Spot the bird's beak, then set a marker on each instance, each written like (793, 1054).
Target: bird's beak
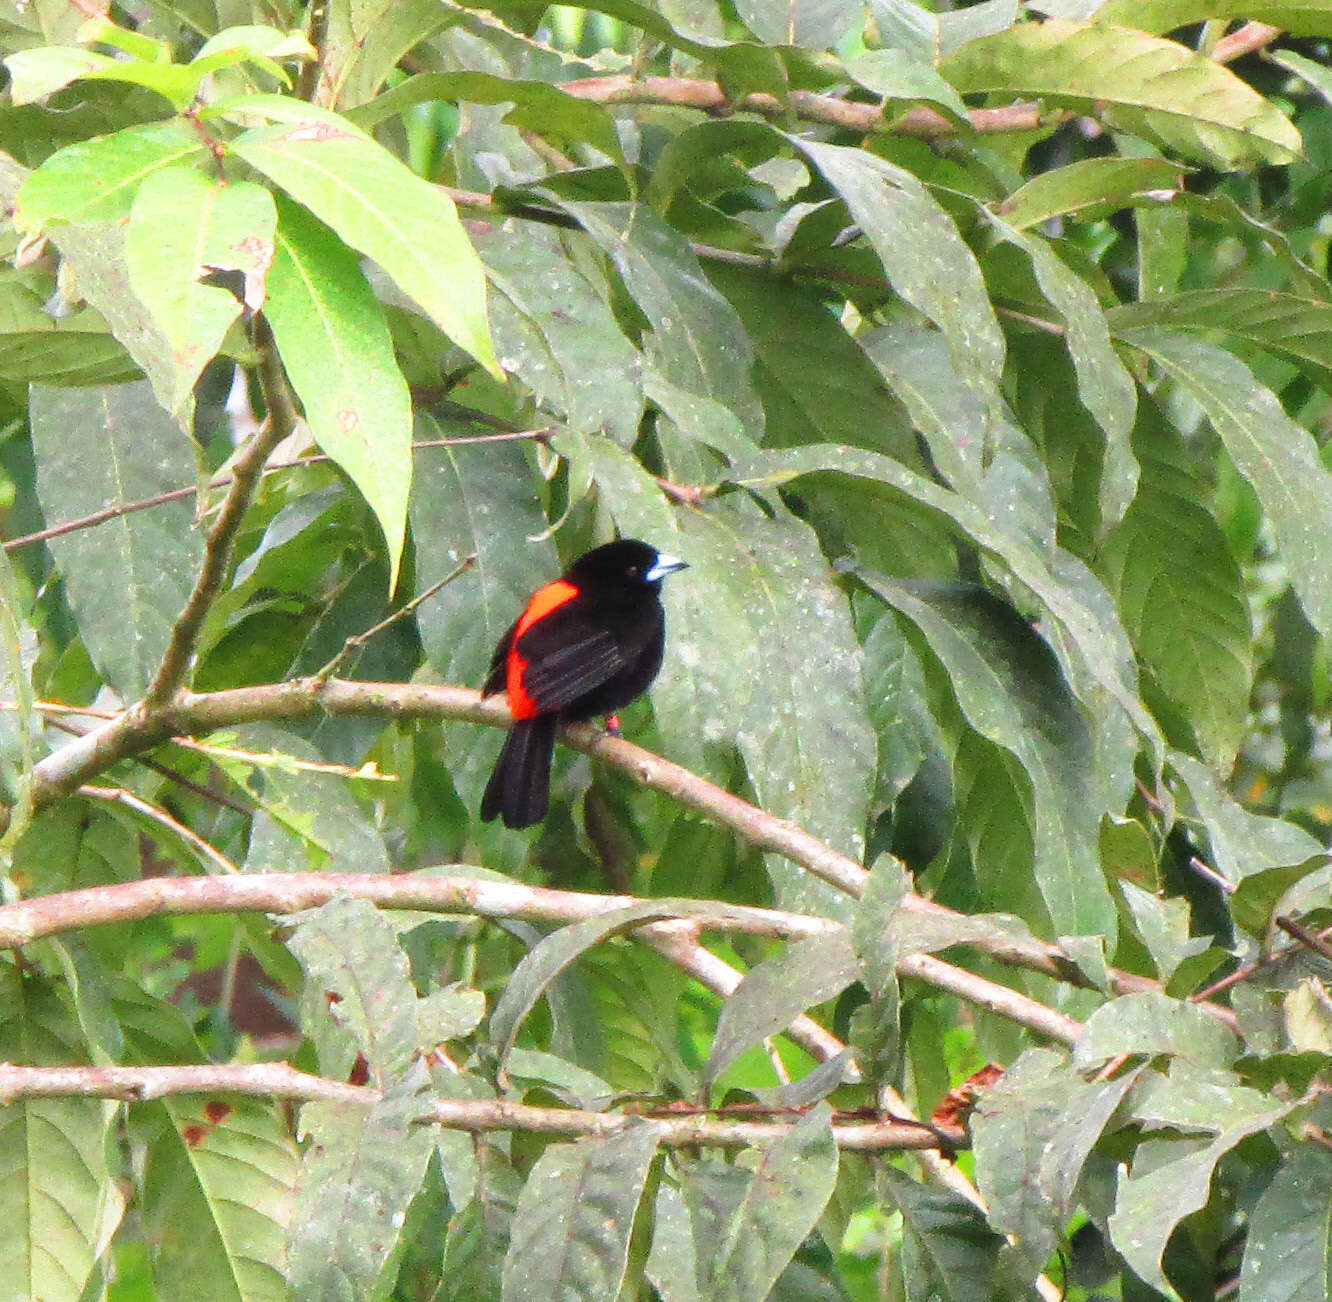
(665, 565)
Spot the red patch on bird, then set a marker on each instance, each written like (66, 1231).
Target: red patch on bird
(544, 600)
(194, 1135)
(216, 1111)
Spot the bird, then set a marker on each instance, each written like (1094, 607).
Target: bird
(585, 645)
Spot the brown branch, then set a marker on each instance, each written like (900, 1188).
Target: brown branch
(1305, 937)
(479, 1116)
(245, 474)
(119, 796)
(1247, 39)
(34, 919)
(828, 110)
(1246, 970)
(195, 714)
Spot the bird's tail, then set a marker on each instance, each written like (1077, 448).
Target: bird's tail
(519, 788)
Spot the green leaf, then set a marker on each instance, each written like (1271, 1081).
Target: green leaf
(1298, 17)
(810, 24)
(358, 994)
(218, 1179)
(1180, 594)
(922, 253)
(1089, 642)
(575, 1216)
(476, 501)
(359, 1174)
(1009, 687)
(1277, 456)
(331, 333)
(1153, 1024)
(378, 207)
(1150, 87)
(1163, 926)
(1106, 388)
(181, 226)
(1150, 1203)
(747, 1224)
(1089, 188)
(38, 73)
(60, 1202)
(556, 334)
(949, 1251)
(696, 341)
(894, 74)
(815, 381)
(537, 106)
(127, 579)
(96, 180)
(1294, 327)
(774, 992)
(1288, 1251)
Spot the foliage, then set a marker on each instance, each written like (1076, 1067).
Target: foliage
(978, 363)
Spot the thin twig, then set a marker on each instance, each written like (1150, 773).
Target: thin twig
(1247, 39)
(1245, 971)
(479, 1116)
(1304, 936)
(1210, 874)
(119, 796)
(360, 639)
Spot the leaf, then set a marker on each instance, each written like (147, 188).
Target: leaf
(922, 253)
(776, 991)
(1277, 456)
(305, 820)
(40, 72)
(1088, 641)
(96, 180)
(1106, 388)
(811, 24)
(334, 342)
(896, 74)
(1163, 926)
(553, 330)
(60, 1202)
(1153, 1024)
(1009, 687)
(748, 1224)
(218, 1179)
(1149, 1205)
(696, 341)
(815, 381)
(536, 106)
(182, 225)
(1298, 17)
(551, 955)
(947, 1241)
(359, 1173)
(1293, 326)
(358, 996)
(378, 207)
(1288, 1250)
(476, 501)
(931, 36)
(128, 579)
(1089, 188)
(1180, 594)
(575, 1216)
(95, 258)
(1138, 83)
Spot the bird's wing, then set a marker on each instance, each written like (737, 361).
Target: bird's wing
(566, 654)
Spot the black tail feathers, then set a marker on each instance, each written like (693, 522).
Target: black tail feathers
(519, 788)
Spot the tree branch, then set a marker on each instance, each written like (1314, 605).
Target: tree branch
(245, 473)
(280, 1080)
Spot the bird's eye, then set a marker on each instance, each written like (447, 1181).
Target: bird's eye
(633, 569)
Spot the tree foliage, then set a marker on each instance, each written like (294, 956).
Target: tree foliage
(978, 361)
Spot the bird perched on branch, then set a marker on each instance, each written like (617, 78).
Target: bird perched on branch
(585, 645)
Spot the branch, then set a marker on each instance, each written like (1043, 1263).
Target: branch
(279, 1080)
(867, 119)
(193, 714)
(245, 473)
(1250, 37)
(285, 893)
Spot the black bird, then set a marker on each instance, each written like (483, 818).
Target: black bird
(585, 645)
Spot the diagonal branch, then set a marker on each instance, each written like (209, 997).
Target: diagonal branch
(246, 471)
